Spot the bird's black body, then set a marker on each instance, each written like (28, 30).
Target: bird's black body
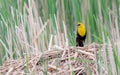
(80, 40)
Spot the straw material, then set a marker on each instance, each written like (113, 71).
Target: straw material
(58, 60)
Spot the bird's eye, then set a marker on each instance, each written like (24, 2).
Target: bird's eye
(79, 24)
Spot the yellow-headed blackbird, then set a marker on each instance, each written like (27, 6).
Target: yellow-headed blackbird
(81, 35)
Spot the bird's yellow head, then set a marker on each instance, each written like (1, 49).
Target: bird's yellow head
(81, 25)
(81, 29)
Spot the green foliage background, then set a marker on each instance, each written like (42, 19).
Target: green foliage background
(101, 18)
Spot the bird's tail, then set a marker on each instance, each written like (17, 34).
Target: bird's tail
(80, 44)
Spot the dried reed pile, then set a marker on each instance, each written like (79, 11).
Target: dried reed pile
(57, 60)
